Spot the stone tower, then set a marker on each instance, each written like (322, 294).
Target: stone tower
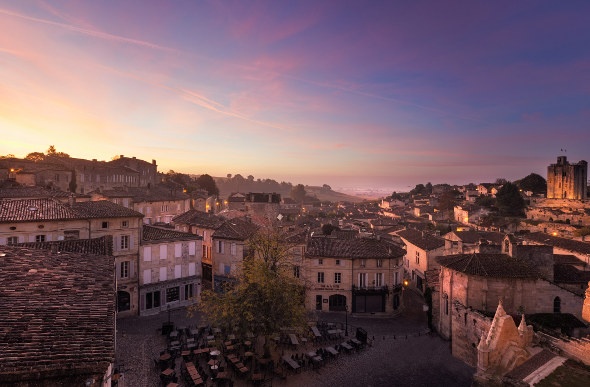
(567, 181)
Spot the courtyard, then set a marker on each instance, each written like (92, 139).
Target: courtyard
(400, 351)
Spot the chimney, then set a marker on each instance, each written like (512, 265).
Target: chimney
(153, 162)
(72, 200)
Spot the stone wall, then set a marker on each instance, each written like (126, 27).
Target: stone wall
(577, 349)
(468, 327)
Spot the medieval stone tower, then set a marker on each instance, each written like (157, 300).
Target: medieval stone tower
(567, 181)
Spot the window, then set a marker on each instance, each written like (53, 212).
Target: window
(220, 247)
(296, 270)
(320, 261)
(379, 279)
(105, 225)
(177, 250)
(556, 305)
(447, 306)
(125, 224)
(192, 267)
(417, 257)
(147, 253)
(337, 278)
(71, 234)
(177, 271)
(13, 240)
(320, 277)
(124, 269)
(363, 262)
(172, 294)
(164, 207)
(163, 274)
(188, 291)
(337, 262)
(233, 249)
(163, 251)
(379, 263)
(191, 248)
(362, 280)
(147, 276)
(40, 238)
(396, 278)
(124, 242)
(226, 270)
(152, 300)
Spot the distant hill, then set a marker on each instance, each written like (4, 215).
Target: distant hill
(237, 183)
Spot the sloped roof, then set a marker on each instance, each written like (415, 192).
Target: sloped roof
(563, 243)
(424, 241)
(489, 265)
(352, 248)
(563, 273)
(235, 229)
(27, 210)
(159, 193)
(199, 219)
(29, 192)
(475, 236)
(104, 209)
(59, 313)
(151, 233)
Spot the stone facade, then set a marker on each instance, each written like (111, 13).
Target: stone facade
(567, 181)
(170, 269)
(586, 308)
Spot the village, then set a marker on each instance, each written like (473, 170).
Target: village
(87, 246)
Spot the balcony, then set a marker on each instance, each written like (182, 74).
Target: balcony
(370, 289)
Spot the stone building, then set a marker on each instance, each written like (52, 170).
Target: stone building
(361, 275)
(421, 251)
(58, 320)
(230, 247)
(470, 285)
(567, 181)
(170, 267)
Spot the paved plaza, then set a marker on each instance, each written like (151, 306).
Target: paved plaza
(401, 353)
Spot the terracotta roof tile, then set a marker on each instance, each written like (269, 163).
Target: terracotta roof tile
(352, 248)
(151, 233)
(199, 219)
(563, 243)
(104, 209)
(59, 313)
(27, 210)
(422, 240)
(488, 265)
(235, 229)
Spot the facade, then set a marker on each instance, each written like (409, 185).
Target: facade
(421, 251)
(158, 204)
(170, 269)
(567, 181)
(203, 224)
(229, 249)
(469, 214)
(470, 285)
(464, 242)
(124, 225)
(53, 335)
(359, 275)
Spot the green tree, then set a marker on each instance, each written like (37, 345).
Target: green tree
(509, 200)
(35, 156)
(266, 295)
(8, 156)
(534, 183)
(206, 182)
(418, 190)
(328, 228)
(298, 193)
(53, 153)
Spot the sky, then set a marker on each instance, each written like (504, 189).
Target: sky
(347, 93)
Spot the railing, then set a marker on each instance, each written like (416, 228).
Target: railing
(370, 289)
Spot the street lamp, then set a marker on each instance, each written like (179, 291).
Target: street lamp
(346, 319)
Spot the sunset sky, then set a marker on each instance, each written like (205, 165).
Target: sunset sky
(347, 93)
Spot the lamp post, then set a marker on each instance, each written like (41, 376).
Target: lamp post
(346, 319)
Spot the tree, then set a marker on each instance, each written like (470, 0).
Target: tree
(326, 187)
(418, 190)
(328, 228)
(298, 193)
(266, 295)
(509, 200)
(53, 153)
(501, 181)
(206, 182)
(447, 201)
(428, 188)
(35, 156)
(534, 183)
(8, 156)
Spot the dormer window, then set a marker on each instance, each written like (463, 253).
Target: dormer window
(105, 225)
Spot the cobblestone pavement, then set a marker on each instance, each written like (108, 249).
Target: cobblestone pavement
(401, 353)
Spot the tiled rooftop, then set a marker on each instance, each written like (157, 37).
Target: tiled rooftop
(158, 193)
(27, 192)
(104, 209)
(235, 229)
(199, 219)
(422, 240)
(352, 248)
(488, 265)
(151, 233)
(58, 313)
(27, 210)
(563, 243)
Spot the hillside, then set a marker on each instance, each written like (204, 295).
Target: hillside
(330, 195)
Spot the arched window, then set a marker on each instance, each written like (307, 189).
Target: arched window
(557, 305)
